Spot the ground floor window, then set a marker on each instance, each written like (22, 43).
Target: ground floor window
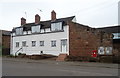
(33, 43)
(53, 43)
(41, 43)
(24, 43)
(17, 44)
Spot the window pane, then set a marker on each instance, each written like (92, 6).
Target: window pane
(33, 43)
(19, 31)
(24, 43)
(17, 44)
(41, 43)
(35, 29)
(53, 43)
(56, 26)
(64, 42)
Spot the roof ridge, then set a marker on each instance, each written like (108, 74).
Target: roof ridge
(60, 18)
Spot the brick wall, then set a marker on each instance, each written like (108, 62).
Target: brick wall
(5, 45)
(83, 39)
(6, 41)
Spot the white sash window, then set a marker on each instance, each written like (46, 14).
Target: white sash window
(19, 31)
(35, 29)
(56, 26)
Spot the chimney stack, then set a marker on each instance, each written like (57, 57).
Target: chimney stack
(23, 21)
(37, 18)
(53, 15)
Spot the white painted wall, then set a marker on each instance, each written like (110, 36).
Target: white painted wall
(47, 49)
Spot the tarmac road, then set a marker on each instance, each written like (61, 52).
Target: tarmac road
(27, 67)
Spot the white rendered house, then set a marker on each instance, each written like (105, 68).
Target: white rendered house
(58, 36)
(47, 37)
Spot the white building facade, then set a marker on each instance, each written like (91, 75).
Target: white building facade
(41, 37)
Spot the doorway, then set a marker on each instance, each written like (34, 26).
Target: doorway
(64, 45)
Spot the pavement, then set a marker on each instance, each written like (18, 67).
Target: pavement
(29, 67)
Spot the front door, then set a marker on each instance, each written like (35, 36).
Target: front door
(64, 45)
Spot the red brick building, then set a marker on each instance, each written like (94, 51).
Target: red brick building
(84, 39)
(115, 30)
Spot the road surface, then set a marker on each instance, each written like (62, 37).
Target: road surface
(28, 67)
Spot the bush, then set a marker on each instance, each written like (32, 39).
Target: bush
(82, 58)
(19, 53)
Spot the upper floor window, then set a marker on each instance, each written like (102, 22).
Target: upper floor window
(33, 43)
(41, 43)
(35, 29)
(17, 44)
(56, 26)
(19, 31)
(24, 43)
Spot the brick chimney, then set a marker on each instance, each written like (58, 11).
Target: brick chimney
(53, 15)
(37, 18)
(23, 21)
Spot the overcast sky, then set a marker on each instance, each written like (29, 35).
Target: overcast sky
(94, 13)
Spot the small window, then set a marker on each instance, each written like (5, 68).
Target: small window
(24, 43)
(17, 44)
(41, 43)
(33, 43)
(53, 43)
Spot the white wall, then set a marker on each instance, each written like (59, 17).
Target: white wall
(47, 49)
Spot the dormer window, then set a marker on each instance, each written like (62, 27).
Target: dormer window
(19, 31)
(56, 26)
(36, 29)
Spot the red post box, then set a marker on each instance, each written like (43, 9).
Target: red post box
(94, 53)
